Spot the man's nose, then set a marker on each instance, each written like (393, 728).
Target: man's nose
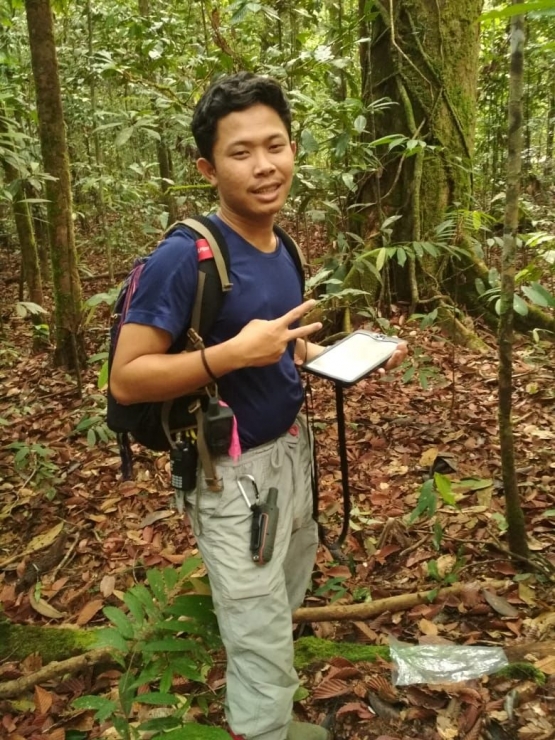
(263, 162)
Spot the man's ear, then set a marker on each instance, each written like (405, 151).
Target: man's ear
(294, 147)
(207, 170)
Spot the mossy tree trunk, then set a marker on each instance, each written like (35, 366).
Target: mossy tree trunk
(23, 222)
(423, 56)
(65, 278)
(515, 516)
(165, 165)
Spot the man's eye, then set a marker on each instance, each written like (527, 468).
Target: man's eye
(276, 147)
(241, 154)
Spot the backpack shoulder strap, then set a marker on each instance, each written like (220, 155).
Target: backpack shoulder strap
(213, 274)
(208, 230)
(295, 252)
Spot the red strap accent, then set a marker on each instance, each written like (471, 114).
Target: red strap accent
(236, 737)
(203, 250)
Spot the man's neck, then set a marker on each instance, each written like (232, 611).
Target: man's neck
(260, 235)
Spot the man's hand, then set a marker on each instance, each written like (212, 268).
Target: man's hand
(262, 342)
(396, 359)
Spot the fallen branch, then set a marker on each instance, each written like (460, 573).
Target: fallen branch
(356, 612)
(518, 653)
(10, 689)
(53, 670)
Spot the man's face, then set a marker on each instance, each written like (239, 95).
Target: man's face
(252, 163)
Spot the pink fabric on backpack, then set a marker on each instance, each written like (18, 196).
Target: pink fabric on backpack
(234, 450)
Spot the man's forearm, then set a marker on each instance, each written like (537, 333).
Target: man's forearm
(161, 377)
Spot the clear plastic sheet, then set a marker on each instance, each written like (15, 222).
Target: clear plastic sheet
(443, 663)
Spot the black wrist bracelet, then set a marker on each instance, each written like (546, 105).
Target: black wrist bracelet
(207, 366)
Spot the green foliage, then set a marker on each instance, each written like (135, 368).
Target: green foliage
(420, 366)
(537, 7)
(438, 487)
(334, 586)
(95, 428)
(166, 631)
(32, 462)
(25, 309)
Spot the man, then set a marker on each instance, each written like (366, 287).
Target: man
(242, 127)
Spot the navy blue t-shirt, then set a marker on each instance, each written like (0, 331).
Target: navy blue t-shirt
(265, 400)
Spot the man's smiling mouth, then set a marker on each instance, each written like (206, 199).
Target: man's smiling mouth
(267, 189)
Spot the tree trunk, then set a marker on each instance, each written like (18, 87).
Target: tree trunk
(548, 167)
(165, 167)
(67, 289)
(515, 518)
(24, 226)
(166, 176)
(100, 203)
(424, 57)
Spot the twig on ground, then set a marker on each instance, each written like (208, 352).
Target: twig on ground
(356, 612)
(53, 670)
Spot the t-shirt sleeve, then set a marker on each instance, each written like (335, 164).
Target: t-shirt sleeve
(167, 286)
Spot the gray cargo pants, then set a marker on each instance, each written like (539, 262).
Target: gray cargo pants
(254, 603)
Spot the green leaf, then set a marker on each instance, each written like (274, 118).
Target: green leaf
(166, 680)
(534, 6)
(120, 620)
(173, 645)
(186, 668)
(87, 423)
(156, 582)
(392, 139)
(171, 577)
(427, 501)
(519, 305)
(160, 723)
(501, 522)
(189, 566)
(104, 707)
(538, 295)
(472, 484)
(135, 607)
(124, 136)
(438, 535)
(111, 638)
(409, 374)
(102, 381)
(145, 597)
(98, 298)
(125, 692)
(401, 256)
(382, 255)
(433, 570)
(91, 438)
(193, 605)
(549, 512)
(430, 248)
(443, 485)
(349, 180)
(360, 124)
(308, 142)
(158, 698)
(301, 693)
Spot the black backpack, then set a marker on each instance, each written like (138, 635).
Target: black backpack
(154, 424)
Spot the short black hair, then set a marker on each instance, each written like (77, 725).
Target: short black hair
(235, 93)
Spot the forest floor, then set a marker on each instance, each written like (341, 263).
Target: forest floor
(68, 523)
